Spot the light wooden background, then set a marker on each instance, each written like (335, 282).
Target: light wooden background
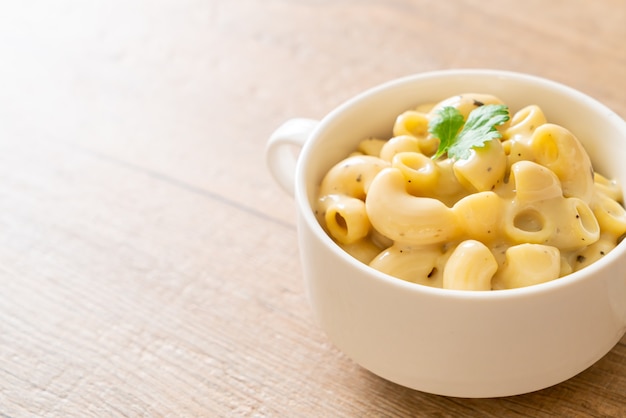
(148, 262)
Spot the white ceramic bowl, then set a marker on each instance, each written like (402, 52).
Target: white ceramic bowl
(456, 343)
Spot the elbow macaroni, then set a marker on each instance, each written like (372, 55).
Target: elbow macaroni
(522, 210)
(470, 267)
(405, 218)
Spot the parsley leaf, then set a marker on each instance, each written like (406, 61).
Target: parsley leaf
(445, 126)
(479, 128)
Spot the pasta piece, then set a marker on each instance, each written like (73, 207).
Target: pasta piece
(398, 144)
(406, 218)
(415, 123)
(557, 149)
(345, 217)
(592, 253)
(610, 214)
(428, 144)
(610, 188)
(517, 137)
(428, 178)
(371, 146)
(470, 267)
(534, 182)
(413, 264)
(528, 264)
(425, 107)
(412, 123)
(576, 225)
(566, 223)
(420, 172)
(352, 176)
(484, 169)
(528, 224)
(525, 220)
(480, 216)
(363, 250)
(540, 214)
(523, 123)
(449, 189)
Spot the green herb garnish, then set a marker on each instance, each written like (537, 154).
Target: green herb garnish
(479, 128)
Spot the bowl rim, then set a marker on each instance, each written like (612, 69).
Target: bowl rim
(306, 212)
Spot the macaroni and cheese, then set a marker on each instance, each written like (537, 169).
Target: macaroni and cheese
(521, 210)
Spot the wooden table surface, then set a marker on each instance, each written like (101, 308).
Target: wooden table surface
(149, 263)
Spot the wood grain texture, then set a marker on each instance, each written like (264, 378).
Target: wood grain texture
(148, 262)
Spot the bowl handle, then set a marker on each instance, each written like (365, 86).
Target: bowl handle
(279, 153)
